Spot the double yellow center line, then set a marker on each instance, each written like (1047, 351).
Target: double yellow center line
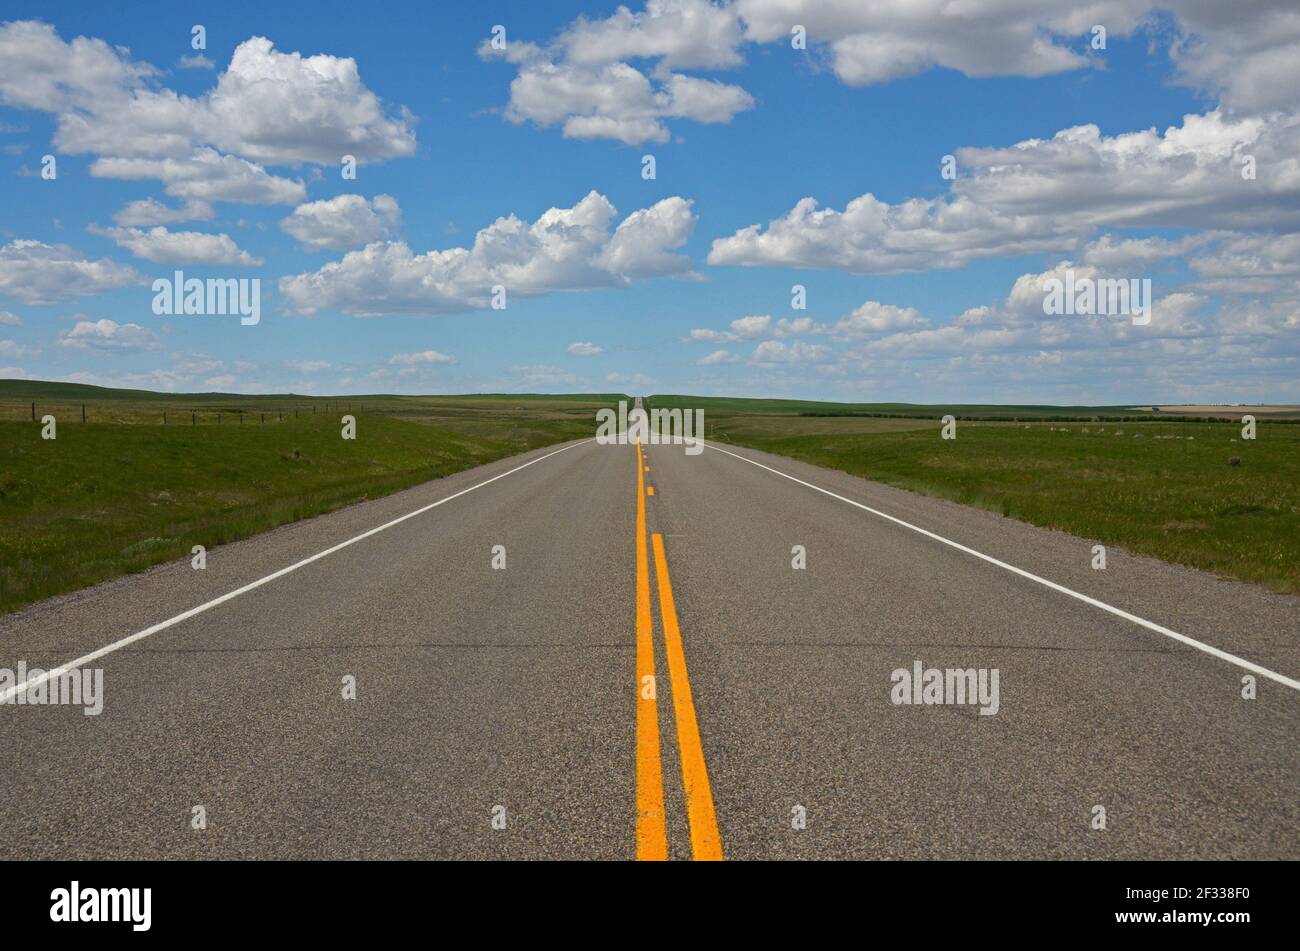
(651, 835)
(651, 830)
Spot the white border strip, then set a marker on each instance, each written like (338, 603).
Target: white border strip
(1182, 638)
(36, 681)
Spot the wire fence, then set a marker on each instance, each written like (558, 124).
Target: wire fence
(174, 414)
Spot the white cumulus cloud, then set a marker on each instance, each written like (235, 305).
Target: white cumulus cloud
(421, 357)
(147, 212)
(37, 273)
(108, 335)
(345, 221)
(564, 249)
(584, 82)
(267, 107)
(1047, 195)
(717, 357)
(179, 247)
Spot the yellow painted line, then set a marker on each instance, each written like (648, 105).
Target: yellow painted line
(651, 834)
(650, 490)
(706, 841)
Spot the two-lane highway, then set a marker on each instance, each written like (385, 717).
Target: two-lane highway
(650, 675)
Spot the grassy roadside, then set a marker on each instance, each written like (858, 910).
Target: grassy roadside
(109, 498)
(1165, 489)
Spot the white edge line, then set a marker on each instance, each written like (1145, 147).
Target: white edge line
(36, 681)
(1118, 612)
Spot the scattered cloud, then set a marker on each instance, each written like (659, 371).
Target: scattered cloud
(776, 351)
(564, 249)
(267, 108)
(148, 212)
(643, 242)
(583, 83)
(705, 335)
(1108, 251)
(205, 175)
(13, 350)
(1250, 264)
(716, 358)
(179, 247)
(108, 336)
(1047, 196)
(874, 317)
(421, 358)
(37, 273)
(345, 221)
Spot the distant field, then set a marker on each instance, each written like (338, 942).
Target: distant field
(28, 399)
(1165, 489)
(123, 491)
(714, 405)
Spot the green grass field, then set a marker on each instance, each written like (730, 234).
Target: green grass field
(719, 406)
(1166, 489)
(123, 492)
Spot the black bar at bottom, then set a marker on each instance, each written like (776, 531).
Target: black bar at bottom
(929, 903)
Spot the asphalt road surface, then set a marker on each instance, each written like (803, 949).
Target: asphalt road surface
(649, 676)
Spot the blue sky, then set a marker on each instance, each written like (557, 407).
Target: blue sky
(933, 295)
